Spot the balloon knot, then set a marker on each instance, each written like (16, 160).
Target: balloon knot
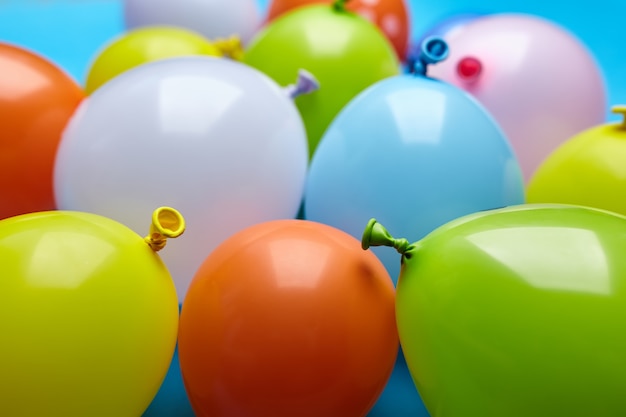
(230, 47)
(305, 84)
(340, 5)
(433, 51)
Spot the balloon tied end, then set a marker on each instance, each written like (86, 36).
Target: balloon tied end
(230, 47)
(376, 235)
(166, 223)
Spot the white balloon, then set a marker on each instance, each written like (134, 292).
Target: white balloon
(216, 139)
(212, 18)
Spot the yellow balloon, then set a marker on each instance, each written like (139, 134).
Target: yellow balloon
(89, 314)
(588, 170)
(152, 43)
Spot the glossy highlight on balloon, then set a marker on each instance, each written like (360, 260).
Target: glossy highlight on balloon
(288, 318)
(91, 314)
(504, 312)
(37, 98)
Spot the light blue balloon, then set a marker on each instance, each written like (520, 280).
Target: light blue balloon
(415, 153)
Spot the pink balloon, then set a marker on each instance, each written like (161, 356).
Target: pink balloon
(539, 81)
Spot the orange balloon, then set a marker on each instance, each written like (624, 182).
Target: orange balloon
(37, 100)
(288, 318)
(391, 16)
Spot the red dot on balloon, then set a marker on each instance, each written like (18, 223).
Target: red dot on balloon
(469, 68)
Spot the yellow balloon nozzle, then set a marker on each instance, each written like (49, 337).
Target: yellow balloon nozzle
(621, 109)
(230, 47)
(166, 223)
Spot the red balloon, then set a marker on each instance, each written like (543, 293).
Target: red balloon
(391, 16)
(36, 101)
(288, 318)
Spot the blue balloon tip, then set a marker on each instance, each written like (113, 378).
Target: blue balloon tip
(433, 51)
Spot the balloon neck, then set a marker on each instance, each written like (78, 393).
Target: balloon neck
(340, 5)
(166, 223)
(620, 110)
(376, 235)
(433, 50)
(230, 47)
(305, 84)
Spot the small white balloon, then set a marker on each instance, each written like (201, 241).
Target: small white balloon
(215, 139)
(212, 18)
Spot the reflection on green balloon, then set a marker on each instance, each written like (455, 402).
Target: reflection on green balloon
(345, 52)
(516, 312)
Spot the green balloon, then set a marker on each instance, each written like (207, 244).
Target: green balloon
(516, 312)
(345, 52)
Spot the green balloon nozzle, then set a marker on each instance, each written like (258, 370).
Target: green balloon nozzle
(340, 5)
(166, 223)
(375, 234)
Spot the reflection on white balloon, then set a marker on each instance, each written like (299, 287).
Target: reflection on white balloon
(217, 140)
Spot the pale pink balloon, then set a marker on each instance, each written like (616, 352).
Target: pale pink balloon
(537, 79)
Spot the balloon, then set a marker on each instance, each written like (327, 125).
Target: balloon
(539, 96)
(36, 100)
(391, 17)
(144, 45)
(288, 318)
(213, 137)
(342, 50)
(413, 152)
(89, 314)
(211, 18)
(586, 170)
(515, 312)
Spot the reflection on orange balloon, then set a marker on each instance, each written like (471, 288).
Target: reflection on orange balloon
(36, 101)
(391, 16)
(288, 318)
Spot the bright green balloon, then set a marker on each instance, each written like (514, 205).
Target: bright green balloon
(516, 312)
(345, 53)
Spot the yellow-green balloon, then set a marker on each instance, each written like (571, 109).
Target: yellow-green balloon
(589, 169)
(345, 53)
(88, 315)
(143, 45)
(516, 312)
